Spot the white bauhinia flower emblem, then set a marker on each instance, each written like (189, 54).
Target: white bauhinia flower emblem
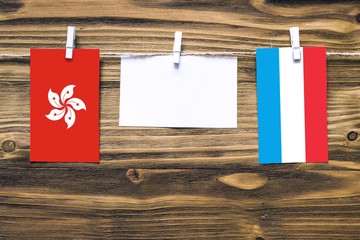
(64, 106)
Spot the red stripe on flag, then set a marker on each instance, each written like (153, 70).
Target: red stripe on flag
(315, 87)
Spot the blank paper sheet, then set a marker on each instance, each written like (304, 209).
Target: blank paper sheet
(200, 92)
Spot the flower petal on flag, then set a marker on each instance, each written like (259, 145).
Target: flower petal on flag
(56, 114)
(70, 117)
(67, 93)
(54, 99)
(76, 103)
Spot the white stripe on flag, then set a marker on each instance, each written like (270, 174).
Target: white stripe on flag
(292, 107)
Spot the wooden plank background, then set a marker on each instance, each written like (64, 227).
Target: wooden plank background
(179, 183)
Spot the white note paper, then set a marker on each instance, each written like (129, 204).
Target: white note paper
(200, 92)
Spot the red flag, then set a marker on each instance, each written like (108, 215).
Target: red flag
(64, 106)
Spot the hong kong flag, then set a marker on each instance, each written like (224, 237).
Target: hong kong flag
(64, 106)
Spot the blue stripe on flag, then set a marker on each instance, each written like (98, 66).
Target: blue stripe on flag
(268, 97)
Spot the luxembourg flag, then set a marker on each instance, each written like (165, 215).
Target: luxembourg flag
(292, 117)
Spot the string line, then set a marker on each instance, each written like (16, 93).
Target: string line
(129, 54)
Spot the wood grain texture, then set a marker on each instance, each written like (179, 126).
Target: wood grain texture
(166, 183)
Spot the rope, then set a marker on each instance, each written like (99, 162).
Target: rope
(122, 54)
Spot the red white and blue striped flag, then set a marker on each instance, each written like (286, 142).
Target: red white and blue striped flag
(292, 116)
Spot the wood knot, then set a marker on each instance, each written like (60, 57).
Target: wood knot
(135, 176)
(8, 146)
(352, 136)
(245, 181)
(259, 238)
(358, 18)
